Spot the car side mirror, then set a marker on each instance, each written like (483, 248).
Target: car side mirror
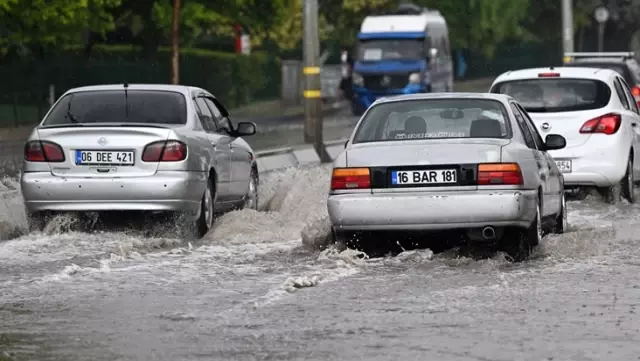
(555, 141)
(244, 129)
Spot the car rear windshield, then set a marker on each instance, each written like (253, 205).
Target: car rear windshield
(114, 106)
(556, 95)
(434, 119)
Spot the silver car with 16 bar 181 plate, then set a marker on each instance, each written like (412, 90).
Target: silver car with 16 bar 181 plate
(160, 148)
(472, 164)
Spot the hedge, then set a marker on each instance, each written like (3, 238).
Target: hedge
(235, 79)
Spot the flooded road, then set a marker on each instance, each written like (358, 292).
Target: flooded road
(256, 288)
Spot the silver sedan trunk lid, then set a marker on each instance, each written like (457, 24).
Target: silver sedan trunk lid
(103, 151)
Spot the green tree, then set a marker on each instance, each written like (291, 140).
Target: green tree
(41, 24)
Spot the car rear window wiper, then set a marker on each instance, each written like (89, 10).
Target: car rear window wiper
(70, 115)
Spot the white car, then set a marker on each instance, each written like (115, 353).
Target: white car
(595, 111)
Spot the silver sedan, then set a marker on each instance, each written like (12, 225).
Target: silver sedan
(160, 148)
(471, 163)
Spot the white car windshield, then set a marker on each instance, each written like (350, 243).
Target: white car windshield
(434, 119)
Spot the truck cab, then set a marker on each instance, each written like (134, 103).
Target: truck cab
(404, 52)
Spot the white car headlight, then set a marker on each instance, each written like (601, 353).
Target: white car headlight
(414, 78)
(357, 79)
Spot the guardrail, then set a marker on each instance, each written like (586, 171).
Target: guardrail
(280, 158)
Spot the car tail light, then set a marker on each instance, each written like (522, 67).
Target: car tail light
(605, 124)
(636, 92)
(548, 75)
(165, 151)
(350, 178)
(499, 174)
(43, 151)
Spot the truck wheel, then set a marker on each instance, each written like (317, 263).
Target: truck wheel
(357, 109)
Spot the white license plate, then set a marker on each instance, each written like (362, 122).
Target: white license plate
(564, 166)
(95, 157)
(436, 176)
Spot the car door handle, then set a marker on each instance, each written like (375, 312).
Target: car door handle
(634, 124)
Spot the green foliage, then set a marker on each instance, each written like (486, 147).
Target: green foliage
(235, 79)
(477, 25)
(52, 22)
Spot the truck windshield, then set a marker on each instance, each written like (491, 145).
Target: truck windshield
(391, 49)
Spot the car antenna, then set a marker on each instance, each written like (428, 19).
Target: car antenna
(70, 115)
(126, 100)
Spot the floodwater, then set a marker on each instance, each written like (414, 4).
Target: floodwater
(260, 286)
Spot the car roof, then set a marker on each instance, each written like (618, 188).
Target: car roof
(426, 96)
(567, 72)
(159, 87)
(604, 60)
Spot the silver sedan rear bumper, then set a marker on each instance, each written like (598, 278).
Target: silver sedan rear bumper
(164, 191)
(432, 211)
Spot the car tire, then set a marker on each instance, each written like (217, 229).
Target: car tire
(628, 183)
(561, 224)
(207, 211)
(251, 198)
(518, 243)
(357, 109)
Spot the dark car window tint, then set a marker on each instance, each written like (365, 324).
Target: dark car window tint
(556, 94)
(111, 106)
(434, 119)
(620, 92)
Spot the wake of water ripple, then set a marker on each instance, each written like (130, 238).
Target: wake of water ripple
(294, 205)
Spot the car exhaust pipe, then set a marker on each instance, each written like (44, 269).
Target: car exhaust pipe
(488, 233)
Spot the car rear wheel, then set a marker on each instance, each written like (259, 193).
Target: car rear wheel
(207, 212)
(518, 243)
(251, 198)
(628, 183)
(561, 223)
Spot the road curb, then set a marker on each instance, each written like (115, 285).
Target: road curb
(280, 158)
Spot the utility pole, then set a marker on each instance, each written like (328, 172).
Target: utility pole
(313, 129)
(567, 27)
(601, 14)
(175, 43)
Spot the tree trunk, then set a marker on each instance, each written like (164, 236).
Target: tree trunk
(175, 43)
